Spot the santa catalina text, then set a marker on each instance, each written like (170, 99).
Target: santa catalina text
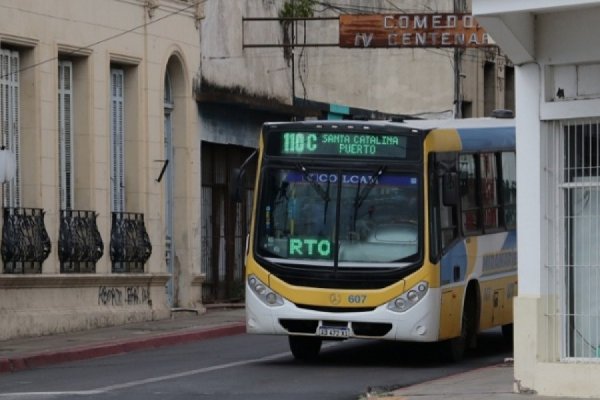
(342, 144)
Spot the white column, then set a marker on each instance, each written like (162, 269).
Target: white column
(529, 176)
(529, 225)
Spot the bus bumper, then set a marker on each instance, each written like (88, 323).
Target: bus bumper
(420, 323)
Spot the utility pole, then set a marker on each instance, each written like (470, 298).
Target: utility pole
(459, 7)
(294, 56)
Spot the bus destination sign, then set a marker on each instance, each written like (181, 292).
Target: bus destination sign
(342, 144)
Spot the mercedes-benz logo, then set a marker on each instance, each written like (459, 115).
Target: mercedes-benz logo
(335, 299)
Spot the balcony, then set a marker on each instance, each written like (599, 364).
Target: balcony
(130, 245)
(25, 241)
(80, 245)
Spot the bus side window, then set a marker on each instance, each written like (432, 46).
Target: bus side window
(489, 191)
(444, 225)
(508, 189)
(469, 198)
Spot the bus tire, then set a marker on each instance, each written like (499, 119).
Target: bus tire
(305, 348)
(454, 349)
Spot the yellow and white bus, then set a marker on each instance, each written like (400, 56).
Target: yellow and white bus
(383, 230)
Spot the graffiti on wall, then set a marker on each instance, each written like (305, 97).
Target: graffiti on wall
(126, 296)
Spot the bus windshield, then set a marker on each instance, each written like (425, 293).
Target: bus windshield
(376, 212)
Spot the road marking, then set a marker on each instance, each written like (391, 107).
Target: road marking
(126, 385)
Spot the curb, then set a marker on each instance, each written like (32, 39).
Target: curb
(399, 394)
(29, 361)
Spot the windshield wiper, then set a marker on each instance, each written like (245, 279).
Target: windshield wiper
(361, 195)
(324, 194)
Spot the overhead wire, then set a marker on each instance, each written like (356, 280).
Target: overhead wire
(357, 8)
(106, 39)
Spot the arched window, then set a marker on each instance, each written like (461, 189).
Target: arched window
(169, 164)
(168, 97)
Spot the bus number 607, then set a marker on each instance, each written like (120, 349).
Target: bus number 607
(357, 298)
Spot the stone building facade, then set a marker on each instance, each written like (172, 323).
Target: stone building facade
(100, 220)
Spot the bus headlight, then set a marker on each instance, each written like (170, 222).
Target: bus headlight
(410, 298)
(263, 292)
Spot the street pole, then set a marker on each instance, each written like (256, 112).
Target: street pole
(294, 58)
(459, 7)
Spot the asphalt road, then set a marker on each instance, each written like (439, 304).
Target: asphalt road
(247, 367)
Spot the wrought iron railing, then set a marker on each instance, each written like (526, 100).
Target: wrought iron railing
(25, 241)
(130, 245)
(80, 245)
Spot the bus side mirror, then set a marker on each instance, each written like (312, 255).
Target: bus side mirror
(237, 180)
(450, 189)
(236, 184)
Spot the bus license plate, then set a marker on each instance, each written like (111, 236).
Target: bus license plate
(329, 331)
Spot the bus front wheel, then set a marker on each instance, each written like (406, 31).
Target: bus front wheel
(454, 349)
(305, 348)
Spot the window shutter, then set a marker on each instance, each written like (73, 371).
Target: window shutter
(10, 125)
(117, 141)
(65, 134)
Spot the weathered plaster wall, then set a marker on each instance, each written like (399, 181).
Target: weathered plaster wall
(407, 81)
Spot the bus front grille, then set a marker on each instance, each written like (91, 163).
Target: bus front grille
(371, 329)
(299, 325)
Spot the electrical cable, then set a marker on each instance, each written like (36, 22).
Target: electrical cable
(89, 46)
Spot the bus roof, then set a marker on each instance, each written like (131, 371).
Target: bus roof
(421, 124)
(471, 123)
(470, 135)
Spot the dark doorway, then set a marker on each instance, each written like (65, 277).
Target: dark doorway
(225, 224)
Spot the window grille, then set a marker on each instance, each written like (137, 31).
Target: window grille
(572, 219)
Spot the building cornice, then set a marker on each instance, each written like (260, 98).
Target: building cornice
(80, 280)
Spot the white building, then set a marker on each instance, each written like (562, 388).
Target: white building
(554, 46)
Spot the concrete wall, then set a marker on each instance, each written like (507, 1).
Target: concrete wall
(402, 81)
(224, 61)
(143, 40)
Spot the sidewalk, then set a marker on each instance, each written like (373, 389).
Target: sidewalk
(491, 383)
(25, 353)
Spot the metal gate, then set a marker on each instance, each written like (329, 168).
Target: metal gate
(572, 218)
(225, 223)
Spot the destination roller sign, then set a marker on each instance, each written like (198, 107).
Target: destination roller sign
(340, 144)
(411, 31)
